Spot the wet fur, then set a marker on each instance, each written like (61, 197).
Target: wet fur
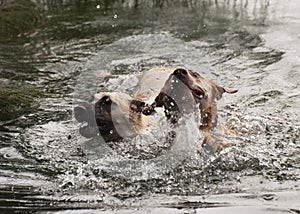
(118, 115)
(204, 92)
(149, 94)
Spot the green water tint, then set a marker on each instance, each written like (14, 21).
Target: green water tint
(83, 19)
(18, 17)
(45, 164)
(33, 35)
(18, 99)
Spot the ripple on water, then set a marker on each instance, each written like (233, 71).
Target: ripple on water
(262, 144)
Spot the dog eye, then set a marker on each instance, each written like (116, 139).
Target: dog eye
(196, 74)
(198, 93)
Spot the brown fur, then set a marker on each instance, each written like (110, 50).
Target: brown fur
(118, 115)
(204, 92)
(124, 119)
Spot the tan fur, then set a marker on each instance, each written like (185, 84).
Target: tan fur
(126, 110)
(150, 84)
(148, 87)
(207, 103)
(123, 112)
(124, 118)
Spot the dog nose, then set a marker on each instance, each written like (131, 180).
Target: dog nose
(180, 72)
(80, 113)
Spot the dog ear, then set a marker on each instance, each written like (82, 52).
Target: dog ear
(221, 90)
(230, 91)
(137, 105)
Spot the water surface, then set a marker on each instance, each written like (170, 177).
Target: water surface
(47, 167)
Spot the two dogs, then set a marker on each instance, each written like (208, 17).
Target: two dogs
(178, 91)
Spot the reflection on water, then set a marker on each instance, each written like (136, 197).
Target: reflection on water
(46, 165)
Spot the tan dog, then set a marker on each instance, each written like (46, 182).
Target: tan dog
(118, 115)
(204, 93)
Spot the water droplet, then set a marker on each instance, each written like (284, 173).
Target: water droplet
(111, 131)
(98, 6)
(183, 98)
(115, 16)
(172, 104)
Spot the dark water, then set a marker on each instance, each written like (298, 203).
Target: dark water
(68, 53)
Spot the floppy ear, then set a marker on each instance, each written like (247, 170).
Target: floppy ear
(137, 105)
(221, 90)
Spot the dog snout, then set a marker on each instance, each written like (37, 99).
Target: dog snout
(81, 113)
(180, 72)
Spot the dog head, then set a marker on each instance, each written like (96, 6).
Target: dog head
(196, 89)
(112, 114)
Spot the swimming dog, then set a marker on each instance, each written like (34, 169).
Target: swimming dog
(117, 115)
(180, 91)
(188, 83)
